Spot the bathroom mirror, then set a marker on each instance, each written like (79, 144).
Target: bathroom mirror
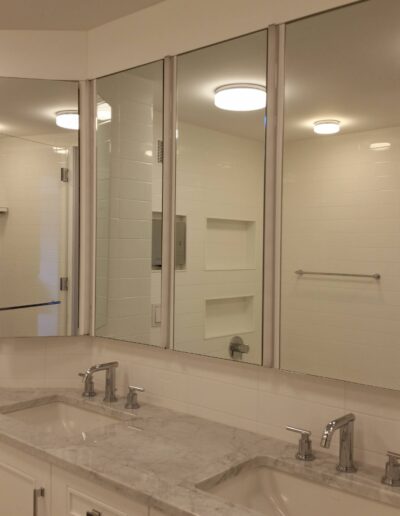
(129, 204)
(39, 178)
(340, 262)
(221, 100)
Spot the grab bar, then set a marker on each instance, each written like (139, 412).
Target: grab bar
(18, 307)
(300, 272)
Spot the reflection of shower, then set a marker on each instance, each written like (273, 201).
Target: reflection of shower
(36, 237)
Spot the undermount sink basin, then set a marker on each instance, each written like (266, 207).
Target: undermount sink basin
(273, 493)
(61, 418)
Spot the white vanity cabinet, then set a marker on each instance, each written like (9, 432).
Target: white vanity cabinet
(32, 487)
(74, 496)
(25, 484)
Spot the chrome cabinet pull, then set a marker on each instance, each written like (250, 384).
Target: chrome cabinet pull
(300, 272)
(37, 493)
(93, 512)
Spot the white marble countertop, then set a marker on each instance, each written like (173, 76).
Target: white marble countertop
(159, 456)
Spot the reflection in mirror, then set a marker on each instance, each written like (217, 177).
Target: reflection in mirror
(341, 195)
(129, 204)
(221, 97)
(39, 178)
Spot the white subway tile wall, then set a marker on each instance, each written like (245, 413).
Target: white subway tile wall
(128, 191)
(341, 213)
(242, 395)
(220, 192)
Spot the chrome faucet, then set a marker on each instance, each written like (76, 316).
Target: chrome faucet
(346, 426)
(110, 388)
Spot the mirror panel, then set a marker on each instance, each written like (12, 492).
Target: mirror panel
(341, 196)
(129, 204)
(38, 208)
(220, 194)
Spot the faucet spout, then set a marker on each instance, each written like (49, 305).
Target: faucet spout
(110, 387)
(346, 426)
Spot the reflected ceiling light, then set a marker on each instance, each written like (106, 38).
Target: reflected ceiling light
(104, 112)
(380, 146)
(240, 97)
(68, 119)
(326, 126)
(149, 153)
(60, 150)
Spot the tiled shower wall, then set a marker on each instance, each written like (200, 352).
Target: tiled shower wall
(245, 396)
(125, 157)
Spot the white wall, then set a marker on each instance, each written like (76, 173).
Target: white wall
(176, 26)
(168, 28)
(43, 54)
(341, 214)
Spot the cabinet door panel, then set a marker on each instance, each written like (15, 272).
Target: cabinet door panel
(16, 491)
(20, 475)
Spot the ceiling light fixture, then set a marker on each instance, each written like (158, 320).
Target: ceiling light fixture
(326, 126)
(380, 146)
(240, 97)
(68, 119)
(60, 150)
(104, 112)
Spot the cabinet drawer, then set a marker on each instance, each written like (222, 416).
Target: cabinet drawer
(72, 496)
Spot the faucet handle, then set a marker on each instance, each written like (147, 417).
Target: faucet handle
(133, 388)
(392, 470)
(88, 391)
(304, 451)
(131, 399)
(393, 457)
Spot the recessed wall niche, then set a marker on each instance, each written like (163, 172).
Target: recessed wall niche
(230, 244)
(229, 316)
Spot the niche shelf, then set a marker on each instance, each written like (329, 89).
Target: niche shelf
(229, 315)
(230, 244)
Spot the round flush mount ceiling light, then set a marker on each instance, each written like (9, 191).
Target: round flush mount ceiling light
(68, 119)
(240, 97)
(380, 146)
(326, 126)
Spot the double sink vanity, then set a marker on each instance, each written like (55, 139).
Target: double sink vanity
(62, 454)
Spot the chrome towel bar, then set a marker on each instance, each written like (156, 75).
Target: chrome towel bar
(300, 272)
(18, 307)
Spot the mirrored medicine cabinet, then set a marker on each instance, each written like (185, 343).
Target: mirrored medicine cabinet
(312, 104)
(39, 207)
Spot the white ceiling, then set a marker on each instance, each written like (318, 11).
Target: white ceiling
(241, 60)
(28, 106)
(65, 14)
(344, 65)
